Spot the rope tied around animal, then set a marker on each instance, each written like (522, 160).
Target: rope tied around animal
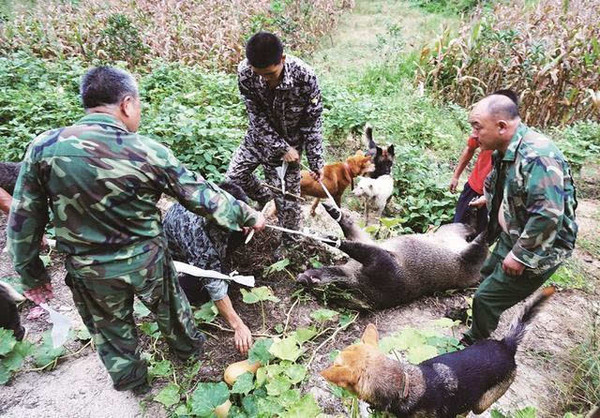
(333, 242)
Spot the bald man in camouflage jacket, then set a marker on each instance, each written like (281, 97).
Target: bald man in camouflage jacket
(531, 202)
(284, 107)
(102, 181)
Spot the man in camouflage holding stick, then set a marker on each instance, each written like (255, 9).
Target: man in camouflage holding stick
(102, 181)
(531, 201)
(284, 107)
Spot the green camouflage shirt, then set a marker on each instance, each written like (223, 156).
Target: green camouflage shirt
(538, 200)
(102, 183)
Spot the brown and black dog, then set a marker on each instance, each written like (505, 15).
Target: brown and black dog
(383, 157)
(336, 177)
(444, 386)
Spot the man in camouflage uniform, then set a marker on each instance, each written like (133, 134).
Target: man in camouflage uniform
(102, 181)
(531, 201)
(284, 107)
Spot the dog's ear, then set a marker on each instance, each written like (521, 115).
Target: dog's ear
(340, 375)
(379, 152)
(370, 336)
(390, 150)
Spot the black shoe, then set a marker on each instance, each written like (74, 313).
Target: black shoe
(141, 389)
(466, 341)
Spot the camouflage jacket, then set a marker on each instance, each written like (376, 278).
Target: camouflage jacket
(102, 183)
(538, 200)
(289, 115)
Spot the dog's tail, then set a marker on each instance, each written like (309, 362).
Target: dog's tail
(369, 136)
(516, 332)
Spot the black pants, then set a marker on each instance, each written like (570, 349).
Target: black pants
(477, 218)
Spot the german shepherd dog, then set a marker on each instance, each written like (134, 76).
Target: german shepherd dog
(444, 386)
(383, 158)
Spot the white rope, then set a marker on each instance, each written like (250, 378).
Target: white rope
(198, 272)
(336, 243)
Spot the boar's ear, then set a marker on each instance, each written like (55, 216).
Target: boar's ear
(391, 150)
(339, 375)
(370, 336)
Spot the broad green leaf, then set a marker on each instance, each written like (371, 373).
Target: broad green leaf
(249, 405)
(289, 397)
(193, 370)
(207, 312)
(140, 310)
(304, 334)
(324, 315)
(46, 353)
(296, 372)
(420, 353)
(258, 294)
(306, 407)
(5, 374)
(244, 384)
(278, 385)
(268, 407)
(182, 410)
(403, 340)
(83, 334)
(169, 395)
(346, 318)
(160, 368)
(7, 341)
(14, 360)
(150, 329)
(286, 348)
(278, 266)
(207, 396)
(260, 351)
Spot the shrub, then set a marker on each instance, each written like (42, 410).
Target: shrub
(210, 33)
(549, 53)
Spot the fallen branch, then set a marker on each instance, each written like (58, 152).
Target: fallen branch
(331, 337)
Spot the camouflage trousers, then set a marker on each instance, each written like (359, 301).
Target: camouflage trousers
(241, 172)
(499, 291)
(106, 307)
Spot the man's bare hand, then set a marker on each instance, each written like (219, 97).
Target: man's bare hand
(242, 338)
(453, 184)
(317, 175)
(512, 266)
(291, 156)
(40, 294)
(479, 202)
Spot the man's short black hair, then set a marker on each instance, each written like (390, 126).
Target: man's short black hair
(264, 49)
(102, 86)
(508, 93)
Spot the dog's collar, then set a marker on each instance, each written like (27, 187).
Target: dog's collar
(405, 385)
(349, 172)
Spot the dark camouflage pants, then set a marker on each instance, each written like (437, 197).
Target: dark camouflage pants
(499, 291)
(241, 172)
(106, 307)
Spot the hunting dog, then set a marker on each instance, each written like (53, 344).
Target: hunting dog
(336, 177)
(9, 314)
(375, 194)
(383, 158)
(402, 268)
(444, 386)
